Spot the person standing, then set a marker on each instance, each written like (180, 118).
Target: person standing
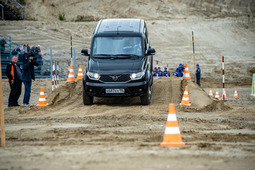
(2, 44)
(198, 74)
(14, 75)
(27, 76)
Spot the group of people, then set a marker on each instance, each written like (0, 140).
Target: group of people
(36, 50)
(29, 57)
(179, 72)
(16, 76)
(157, 72)
(25, 50)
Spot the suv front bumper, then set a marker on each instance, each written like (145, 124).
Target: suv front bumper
(130, 89)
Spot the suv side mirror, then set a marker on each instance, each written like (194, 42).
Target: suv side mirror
(85, 52)
(151, 51)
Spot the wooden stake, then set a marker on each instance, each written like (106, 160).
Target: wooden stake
(193, 43)
(2, 108)
(71, 50)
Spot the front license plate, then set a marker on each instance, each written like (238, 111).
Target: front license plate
(115, 90)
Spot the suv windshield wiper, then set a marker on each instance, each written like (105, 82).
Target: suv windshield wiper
(115, 56)
(126, 55)
(103, 56)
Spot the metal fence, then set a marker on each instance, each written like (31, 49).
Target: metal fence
(21, 8)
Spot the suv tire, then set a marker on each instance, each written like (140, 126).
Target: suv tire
(87, 100)
(146, 99)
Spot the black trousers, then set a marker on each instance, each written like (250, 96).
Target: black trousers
(15, 92)
(198, 81)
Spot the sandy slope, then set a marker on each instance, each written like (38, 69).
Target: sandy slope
(148, 9)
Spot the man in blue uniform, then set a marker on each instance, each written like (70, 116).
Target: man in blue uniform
(160, 73)
(198, 74)
(154, 72)
(179, 71)
(166, 73)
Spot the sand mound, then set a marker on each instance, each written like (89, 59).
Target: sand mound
(69, 92)
(200, 100)
(164, 91)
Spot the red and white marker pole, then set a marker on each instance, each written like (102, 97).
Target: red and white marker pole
(223, 81)
(53, 75)
(57, 74)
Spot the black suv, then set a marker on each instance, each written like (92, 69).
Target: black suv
(120, 61)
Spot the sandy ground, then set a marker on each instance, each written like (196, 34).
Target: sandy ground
(122, 134)
(119, 133)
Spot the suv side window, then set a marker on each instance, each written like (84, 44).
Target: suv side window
(146, 37)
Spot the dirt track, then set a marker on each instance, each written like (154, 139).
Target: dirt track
(122, 134)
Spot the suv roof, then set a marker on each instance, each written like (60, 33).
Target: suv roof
(120, 26)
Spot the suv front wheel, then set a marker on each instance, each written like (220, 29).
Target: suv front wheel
(146, 98)
(87, 100)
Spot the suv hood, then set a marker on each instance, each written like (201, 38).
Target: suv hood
(115, 65)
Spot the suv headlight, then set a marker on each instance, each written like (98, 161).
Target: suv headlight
(136, 76)
(93, 76)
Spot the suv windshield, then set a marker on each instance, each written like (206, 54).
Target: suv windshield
(110, 46)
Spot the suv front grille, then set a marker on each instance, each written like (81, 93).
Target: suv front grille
(115, 78)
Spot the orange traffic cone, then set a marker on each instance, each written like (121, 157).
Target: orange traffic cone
(172, 136)
(185, 98)
(71, 75)
(217, 96)
(80, 74)
(42, 100)
(186, 72)
(235, 95)
(211, 93)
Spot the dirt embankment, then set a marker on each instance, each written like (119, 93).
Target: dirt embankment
(80, 10)
(68, 98)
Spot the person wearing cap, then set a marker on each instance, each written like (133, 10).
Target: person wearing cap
(160, 73)
(198, 74)
(154, 72)
(37, 50)
(28, 75)
(183, 68)
(179, 71)
(166, 73)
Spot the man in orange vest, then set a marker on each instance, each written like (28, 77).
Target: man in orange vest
(14, 75)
